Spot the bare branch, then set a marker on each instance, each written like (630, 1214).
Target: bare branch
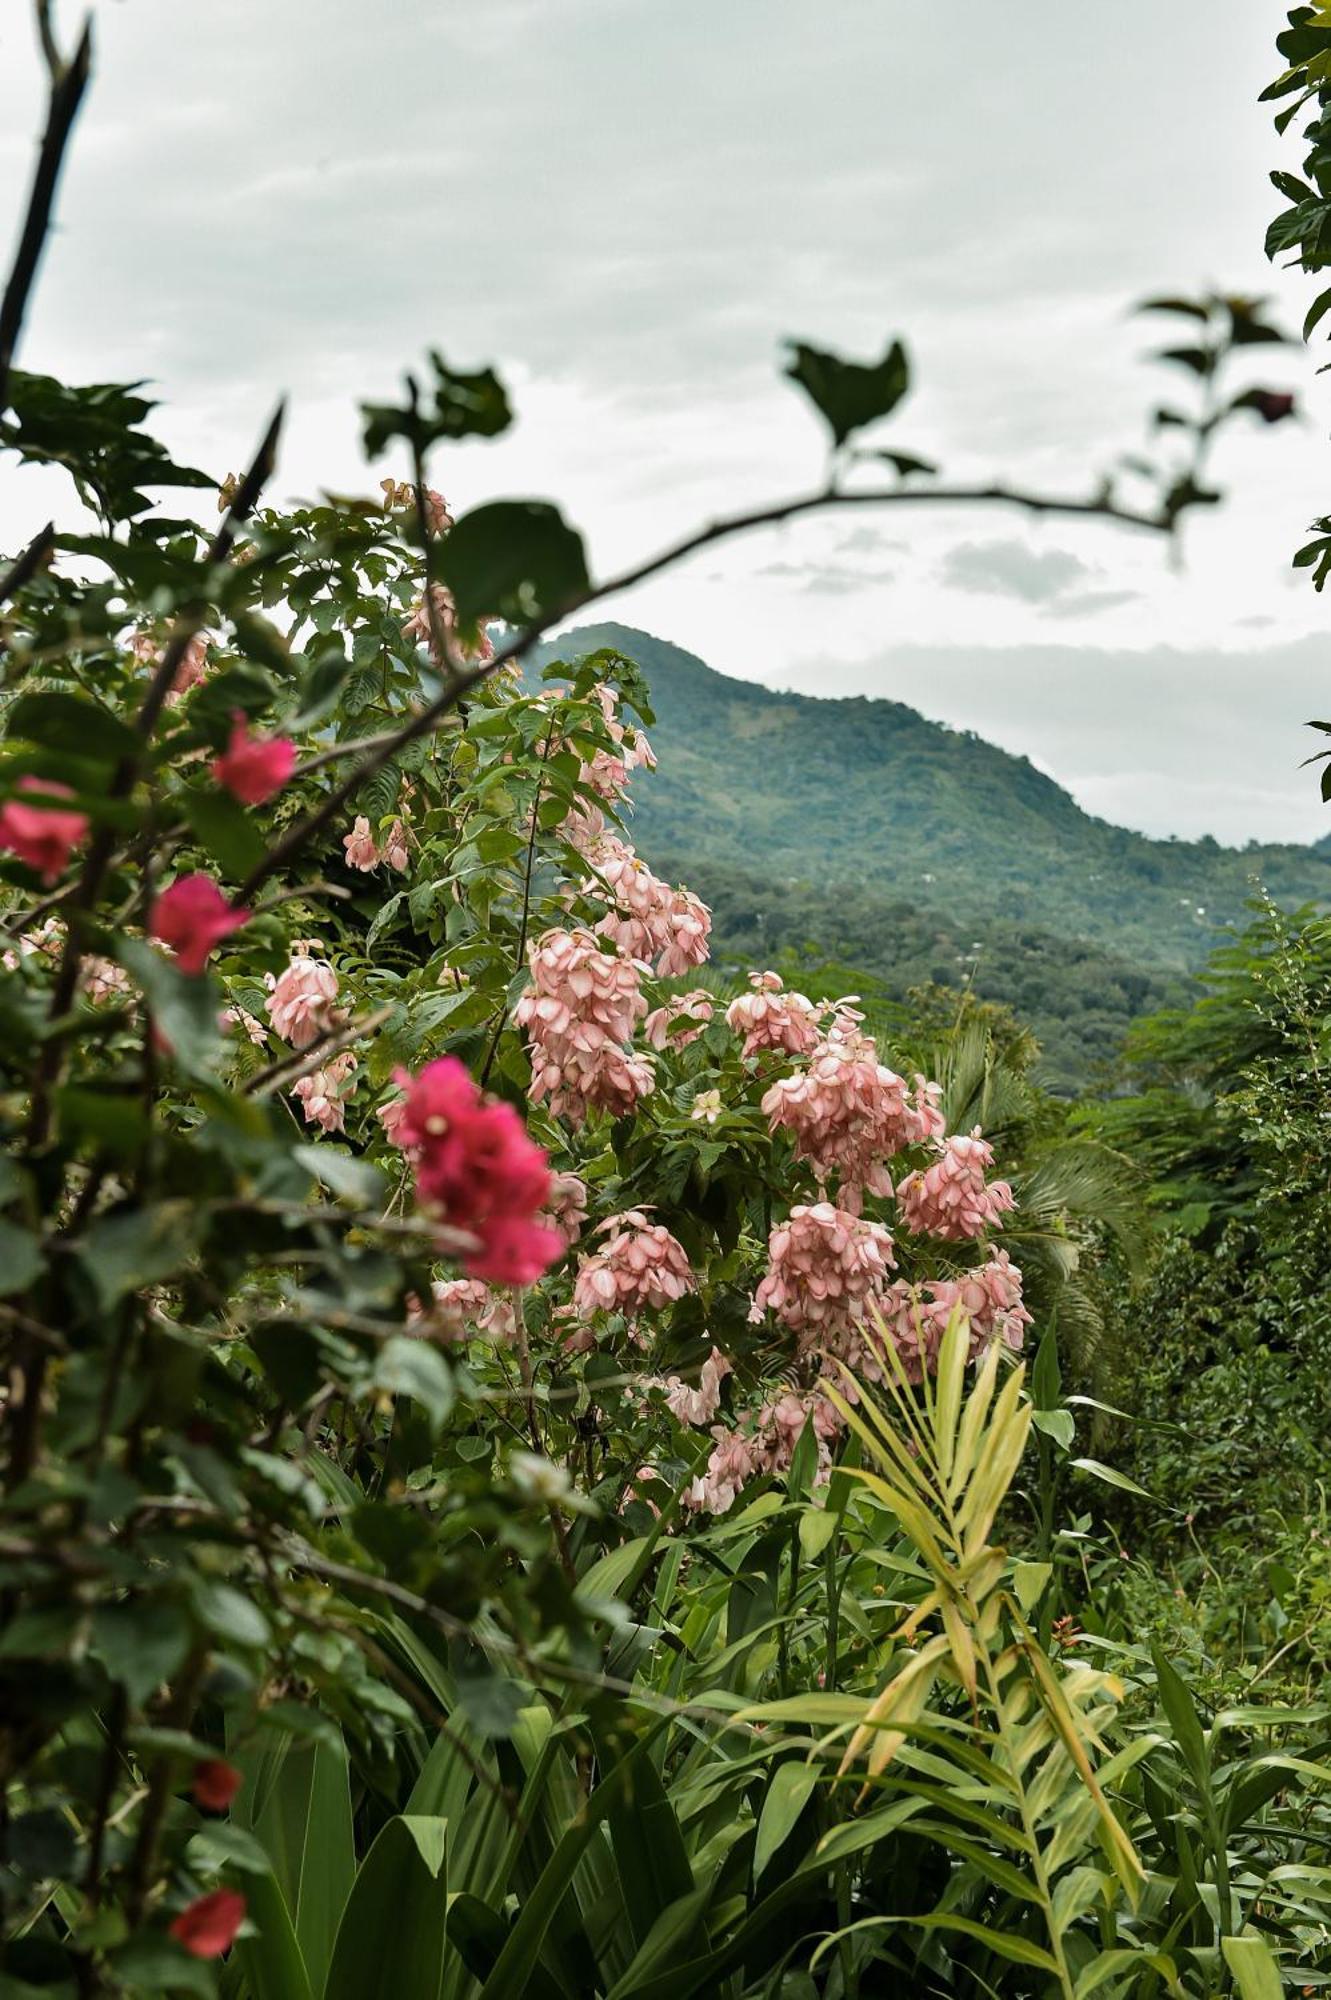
(67, 88)
(25, 567)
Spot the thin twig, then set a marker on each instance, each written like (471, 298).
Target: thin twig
(25, 567)
(304, 1062)
(465, 679)
(67, 87)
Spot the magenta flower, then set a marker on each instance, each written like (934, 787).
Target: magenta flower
(192, 917)
(254, 768)
(42, 836)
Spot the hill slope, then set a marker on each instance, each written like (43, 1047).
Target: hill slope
(869, 792)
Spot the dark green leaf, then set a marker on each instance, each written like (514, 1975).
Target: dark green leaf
(513, 559)
(849, 394)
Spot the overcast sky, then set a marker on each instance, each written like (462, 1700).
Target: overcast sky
(627, 205)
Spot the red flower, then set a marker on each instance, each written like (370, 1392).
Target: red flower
(207, 1927)
(193, 916)
(254, 768)
(215, 1784)
(477, 1169)
(514, 1250)
(42, 836)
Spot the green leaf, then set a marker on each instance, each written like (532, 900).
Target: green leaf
(231, 1615)
(787, 1795)
(21, 1260)
(1060, 1425)
(1255, 1971)
(272, 1963)
(849, 394)
(1183, 1719)
(391, 1941)
(514, 559)
(225, 830)
(407, 1367)
(300, 1797)
(1030, 1581)
(184, 1009)
(160, 1965)
(71, 723)
(1106, 1473)
(141, 1642)
(474, 405)
(123, 1253)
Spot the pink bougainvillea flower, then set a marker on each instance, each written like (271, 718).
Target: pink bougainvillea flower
(361, 849)
(215, 1783)
(254, 768)
(478, 1171)
(207, 1927)
(514, 1250)
(300, 1000)
(43, 836)
(193, 916)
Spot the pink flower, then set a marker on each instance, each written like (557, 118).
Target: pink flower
(951, 1199)
(148, 652)
(360, 847)
(768, 1018)
(640, 1267)
(663, 1025)
(579, 1012)
(477, 1170)
(390, 1116)
(398, 494)
(42, 836)
(461, 1307)
(698, 1405)
(193, 916)
(990, 1297)
(566, 1207)
(236, 1017)
(254, 768)
(321, 1094)
(650, 920)
(395, 847)
(207, 1927)
(300, 1000)
(825, 1269)
(847, 1112)
(732, 1464)
(514, 1250)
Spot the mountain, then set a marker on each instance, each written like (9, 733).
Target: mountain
(900, 845)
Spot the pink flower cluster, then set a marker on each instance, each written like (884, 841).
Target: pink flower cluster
(769, 1018)
(650, 920)
(148, 652)
(951, 1198)
(580, 1012)
(477, 1170)
(44, 835)
(766, 1445)
(400, 495)
(300, 1000)
(698, 1403)
(323, 1094)
(461, 1307)
(680, 1020)
(824, 1268)
(364, 852)
(607, 772)
(849, 1113)
(437, 628)
(640, 1267)
(990, 1296)
(566, 1208)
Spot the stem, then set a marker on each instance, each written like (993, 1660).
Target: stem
(68, 83)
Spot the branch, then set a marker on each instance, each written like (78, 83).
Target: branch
(67, 87)
(26, 566)
(516, 648)
(304, 1062)
(102, 845)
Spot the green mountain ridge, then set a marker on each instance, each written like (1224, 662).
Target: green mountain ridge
(861, 829)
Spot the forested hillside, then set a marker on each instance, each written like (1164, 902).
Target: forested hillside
(869, 792)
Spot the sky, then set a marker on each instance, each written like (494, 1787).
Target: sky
(627, 208)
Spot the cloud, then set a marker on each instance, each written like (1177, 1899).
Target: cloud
(1087, 603)
(1011, 569)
